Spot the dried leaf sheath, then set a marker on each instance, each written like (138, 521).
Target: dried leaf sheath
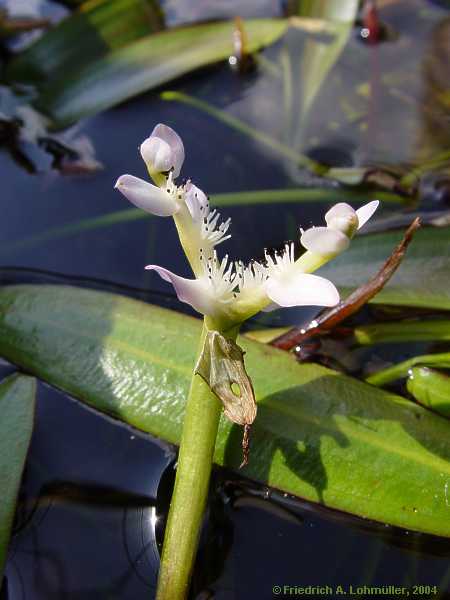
(221, 365)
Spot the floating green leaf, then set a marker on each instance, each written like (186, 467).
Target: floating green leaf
(142, 65)
(430, 388)
(17, 402)
(320, 435)
(92, 32)
(422, 279)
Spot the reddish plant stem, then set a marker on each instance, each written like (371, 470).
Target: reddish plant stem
(329, 319)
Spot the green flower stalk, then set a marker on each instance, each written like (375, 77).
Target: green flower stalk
(227, 294)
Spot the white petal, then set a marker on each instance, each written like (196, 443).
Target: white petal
(365, 212)
(324, 241)
(343, 218)
(196, 201)
(342, 209)
(169, 137)
(302, 289)
(191, 291)
(157, 154)
(147, 196)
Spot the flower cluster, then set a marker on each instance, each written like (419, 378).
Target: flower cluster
(228, 293)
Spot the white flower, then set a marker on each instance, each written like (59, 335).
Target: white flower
(199, 227)
(231, 293)
(210, 292)
(289, 286)
(342, 223)
(163, 151)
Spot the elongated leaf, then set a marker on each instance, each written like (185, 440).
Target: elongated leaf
(229, 199)
(100, 25)
(17, 403)
(406, 331)
(430, 388)
(319, 435)
(421, 280)
(402, 370)
(144, 65)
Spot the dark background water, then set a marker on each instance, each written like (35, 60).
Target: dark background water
(95, 493)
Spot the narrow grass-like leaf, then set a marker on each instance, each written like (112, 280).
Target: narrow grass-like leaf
(320, 435)
(259, 136)
(404, 331)
(17, 403)
(247, 198)
(422, 279)
(430, 388)
(402, 370)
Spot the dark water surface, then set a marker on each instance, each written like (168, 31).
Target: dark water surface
(95, 493)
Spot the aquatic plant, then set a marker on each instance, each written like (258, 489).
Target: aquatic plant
(227, 293)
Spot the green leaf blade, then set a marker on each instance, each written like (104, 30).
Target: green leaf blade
(404, 331)
(431, 389)
(319, 435)
(17, 405)
(103, 26)
(144, 64)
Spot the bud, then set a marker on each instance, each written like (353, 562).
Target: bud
(163, 152)
(342, 218)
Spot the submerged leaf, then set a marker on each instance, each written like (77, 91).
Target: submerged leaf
(319, 435)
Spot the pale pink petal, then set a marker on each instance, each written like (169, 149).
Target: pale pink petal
(324, 241)
(196, 201)
(191, 291)
(157, 154)
(365, 212)
(168, 140)
(302, 289)
(144, 195)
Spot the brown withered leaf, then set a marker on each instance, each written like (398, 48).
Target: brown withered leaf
(330, 318)
(221, 365)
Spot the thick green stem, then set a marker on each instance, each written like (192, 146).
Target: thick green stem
(200, 427)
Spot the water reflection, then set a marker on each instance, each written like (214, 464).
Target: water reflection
(87, 511)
